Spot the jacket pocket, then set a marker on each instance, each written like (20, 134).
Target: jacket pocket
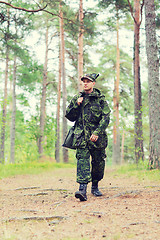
(79, 139)
(96, 113)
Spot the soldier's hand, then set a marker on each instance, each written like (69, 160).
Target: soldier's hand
(94, 138)
(80, 100)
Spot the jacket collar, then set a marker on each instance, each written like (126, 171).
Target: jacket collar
(95, 93)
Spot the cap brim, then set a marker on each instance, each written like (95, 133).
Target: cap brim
(86, 77)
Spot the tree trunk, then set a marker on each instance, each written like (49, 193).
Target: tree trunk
(64, 95)
(116, 133)
(13, 121)
(80, 46)
(139, 153)
(4, 111)
(57, 144)
(122, 148)
(43, 99)
(153, 83)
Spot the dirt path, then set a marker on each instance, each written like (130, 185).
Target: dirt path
(43, 207)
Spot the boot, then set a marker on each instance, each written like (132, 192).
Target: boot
(95, 191)
(81, 194)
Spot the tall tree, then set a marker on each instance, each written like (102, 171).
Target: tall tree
(13, 120)
(64, 90)
(43, 97)
(4, 112)
(80, 46)
(57, 144)
(153, 83)
(85, 31)
(116, 131)
(139, 152)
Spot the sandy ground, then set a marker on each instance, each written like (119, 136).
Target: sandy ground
(44, 207)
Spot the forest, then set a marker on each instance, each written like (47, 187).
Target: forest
(46, 47)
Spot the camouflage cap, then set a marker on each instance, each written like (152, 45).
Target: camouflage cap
(92, 77)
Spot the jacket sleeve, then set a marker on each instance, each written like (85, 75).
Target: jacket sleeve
(73, 110)
(104, 122)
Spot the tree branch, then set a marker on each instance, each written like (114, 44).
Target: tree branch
(54, 14)
(52, 82)
(141, 11)
(22, 9)
(131, 10)
(38, 10)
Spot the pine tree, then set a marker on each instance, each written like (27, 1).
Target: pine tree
(153, 84)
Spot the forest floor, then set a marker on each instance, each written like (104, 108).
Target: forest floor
(43, 207)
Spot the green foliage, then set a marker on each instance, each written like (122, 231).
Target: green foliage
(32, 127)
(26, 150)
(26, 138)
(13, 24)
(115, 4)
(29, 72)
(90, 30)
(25, 144)
(49, 132)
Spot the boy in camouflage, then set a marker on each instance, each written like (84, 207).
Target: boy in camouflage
(92, 115)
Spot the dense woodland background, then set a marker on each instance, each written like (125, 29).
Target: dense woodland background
(46, 46)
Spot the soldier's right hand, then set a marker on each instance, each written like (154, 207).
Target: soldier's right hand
(80, 100)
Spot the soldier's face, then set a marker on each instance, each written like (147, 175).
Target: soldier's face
(88, 85)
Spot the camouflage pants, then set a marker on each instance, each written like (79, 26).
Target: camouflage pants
(84, 174)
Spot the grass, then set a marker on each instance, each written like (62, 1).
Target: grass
(9, 170)
(139, 171)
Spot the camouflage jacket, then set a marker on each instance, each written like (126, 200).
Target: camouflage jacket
(92, 117)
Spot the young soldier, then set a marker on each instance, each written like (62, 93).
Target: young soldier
(92, 115)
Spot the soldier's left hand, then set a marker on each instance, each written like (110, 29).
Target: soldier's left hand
(94, 138)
